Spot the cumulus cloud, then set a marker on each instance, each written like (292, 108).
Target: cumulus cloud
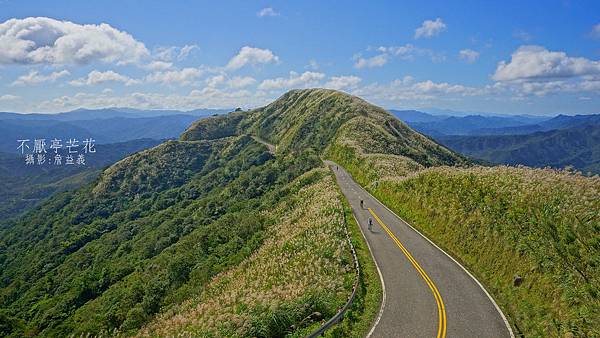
(251, 56)
(406, 52)
(186, 50)
(267, 11)
(216, 80)
(222, 80)
(241, 81)
(409, 52)
(158, 65)
(8, 97)
(295, 80)
(34, 77)
(173, 53)
(407, 89)
(343, 82)
(536, 63)
(183, 77)
(205, 97)
(468, 55)
(96, 77)
(374, 61)
(40, 40)
(430, 28)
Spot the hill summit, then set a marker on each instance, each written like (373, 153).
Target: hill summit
(323, 120)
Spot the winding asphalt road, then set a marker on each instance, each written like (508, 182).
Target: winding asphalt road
(426, 292)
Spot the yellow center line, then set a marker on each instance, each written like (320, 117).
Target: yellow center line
(441, 333)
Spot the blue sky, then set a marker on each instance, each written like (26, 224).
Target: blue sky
(531, 57)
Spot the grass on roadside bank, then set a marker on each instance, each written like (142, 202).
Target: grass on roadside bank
(302, 273)
(532, 236)
(360, 317)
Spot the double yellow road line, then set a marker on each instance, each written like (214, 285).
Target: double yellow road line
(441, 333)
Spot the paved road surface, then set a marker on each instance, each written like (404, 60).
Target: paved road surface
(427, 294)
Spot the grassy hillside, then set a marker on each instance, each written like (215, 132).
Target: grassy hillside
(502, 222)
(578, 147)
(268, 293)
(540, 225)
(151, 232)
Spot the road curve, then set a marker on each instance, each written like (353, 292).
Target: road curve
(427, 293)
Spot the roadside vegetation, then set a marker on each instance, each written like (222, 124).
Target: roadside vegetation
(530, 235)
(300, 275)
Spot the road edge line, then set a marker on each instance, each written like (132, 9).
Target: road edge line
(506, 323)
(382, 307)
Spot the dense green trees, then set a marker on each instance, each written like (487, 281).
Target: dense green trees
(148, 233)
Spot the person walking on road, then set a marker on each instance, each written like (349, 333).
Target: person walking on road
(362, 204)
(370, 224)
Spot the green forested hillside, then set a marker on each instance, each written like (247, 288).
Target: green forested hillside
(151, 230)
(23, 187)
(578, 147)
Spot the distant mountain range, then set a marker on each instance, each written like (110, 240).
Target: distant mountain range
(103, 125)
(107, 113)
(439, 125)
(560, 141)
(23, 186)
(118, 132)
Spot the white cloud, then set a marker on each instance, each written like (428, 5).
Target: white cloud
(40, 40)
(159, 65)
(295, 80)
(252, 56)
(241, 82)
(267, 11)
(183, 77)
(197, 98)
(342, 82)
(468, 55)
(96, 77)
(172, 53)
(166, 54)
(430, 28)
(407, 89)
(185, 51)
(405, 52)
(216, 80)
(8, 97)
(409, 52)
(536, 63)
(374, 61)
(236, 82)
(595, 33)
(34, 77)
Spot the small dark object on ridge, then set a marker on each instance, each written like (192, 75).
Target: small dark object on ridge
(517, 281)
